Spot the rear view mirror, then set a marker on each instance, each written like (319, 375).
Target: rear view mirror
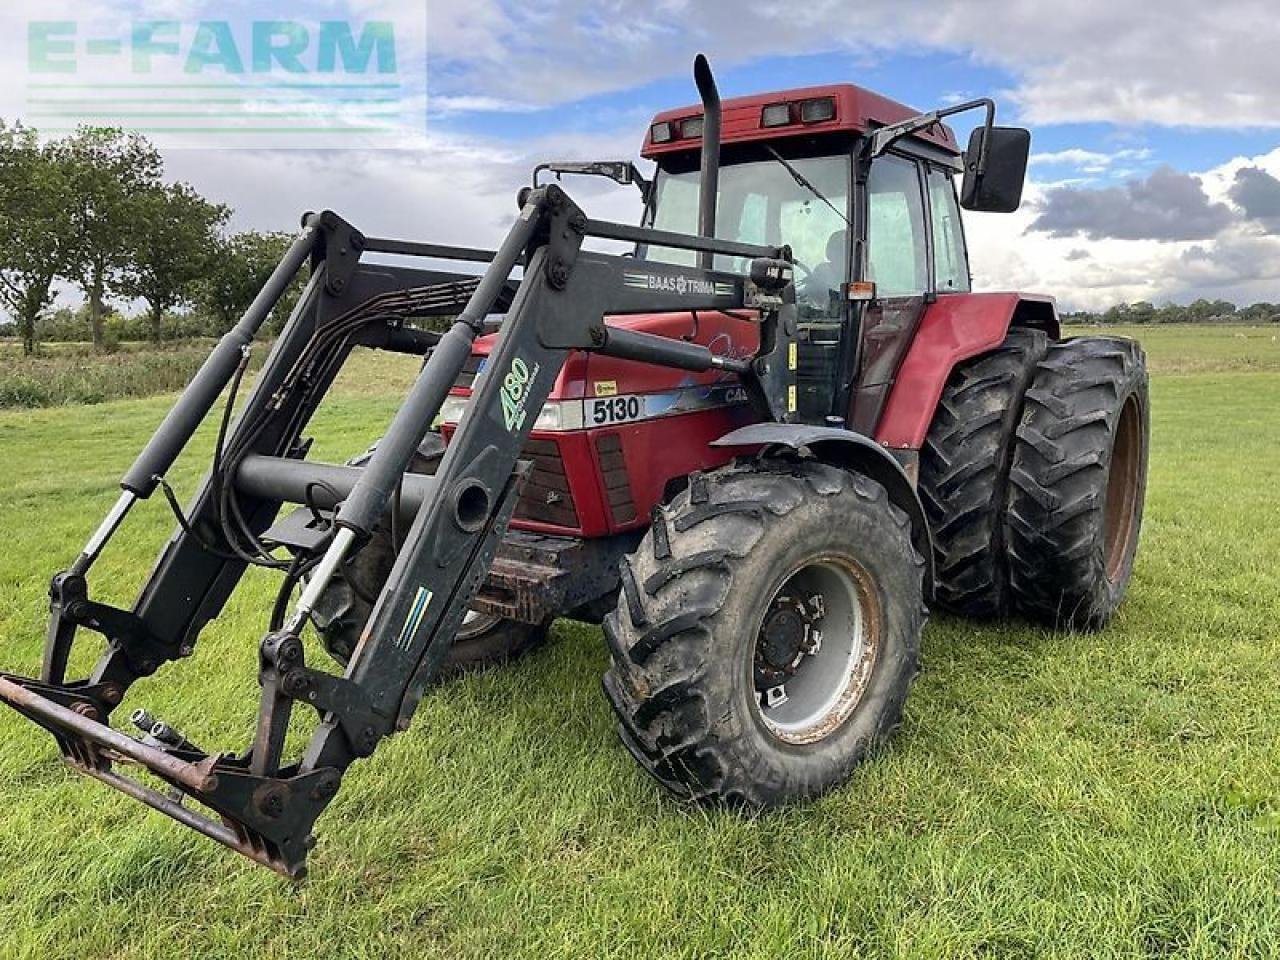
(995, 186)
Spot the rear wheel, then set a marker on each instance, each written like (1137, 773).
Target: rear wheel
(1078, 482)
(964, 473)
(767, 632)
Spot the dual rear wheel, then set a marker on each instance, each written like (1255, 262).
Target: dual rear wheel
(1033, 476)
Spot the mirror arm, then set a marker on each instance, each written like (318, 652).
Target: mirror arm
(644, 185)
(619, 171)
(886, 137)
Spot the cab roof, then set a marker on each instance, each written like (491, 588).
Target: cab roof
(857, 110)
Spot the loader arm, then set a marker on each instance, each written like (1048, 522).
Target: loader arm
(260, 802)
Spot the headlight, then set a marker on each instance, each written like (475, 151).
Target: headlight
(556, 415)
(549, 418)
(451, 409)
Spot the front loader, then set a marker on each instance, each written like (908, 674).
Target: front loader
(730, 454)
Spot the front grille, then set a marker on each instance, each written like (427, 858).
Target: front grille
(545, 497)
(616, 481)
(467, 378)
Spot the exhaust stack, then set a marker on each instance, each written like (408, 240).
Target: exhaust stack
(709, 184)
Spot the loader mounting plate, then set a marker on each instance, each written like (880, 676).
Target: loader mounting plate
(267, 819)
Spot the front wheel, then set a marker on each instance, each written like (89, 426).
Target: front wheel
(346, 605)
(767, 632)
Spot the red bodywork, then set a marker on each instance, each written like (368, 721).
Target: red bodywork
(956, 327)
(857, 110)
(596, 481)
(612, 475)
(607, 478)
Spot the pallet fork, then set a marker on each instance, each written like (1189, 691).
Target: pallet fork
(259, 802)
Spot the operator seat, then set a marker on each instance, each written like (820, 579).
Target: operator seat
(827, 277)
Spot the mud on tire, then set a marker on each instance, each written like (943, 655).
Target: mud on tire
(964, 473)
(683, 639)
(1077, 482)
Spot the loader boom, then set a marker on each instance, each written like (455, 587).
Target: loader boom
(265, 805)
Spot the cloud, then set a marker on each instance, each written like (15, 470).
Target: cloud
(1176, 63)
(1231, 262)
(1237, 263)
(1089, 161)
(479, 105)
(1167, 205)
(458, 190)
(1180, 63)
(1257, 193)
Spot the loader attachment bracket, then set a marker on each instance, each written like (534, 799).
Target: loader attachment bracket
(70, 607)
(338, 249)
(268, 819)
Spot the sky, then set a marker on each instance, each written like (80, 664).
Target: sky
(1155, 168)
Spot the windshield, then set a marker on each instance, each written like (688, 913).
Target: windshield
(761, 202)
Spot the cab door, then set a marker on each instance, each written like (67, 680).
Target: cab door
(898, 262)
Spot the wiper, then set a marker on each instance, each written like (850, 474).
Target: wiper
(802, 181)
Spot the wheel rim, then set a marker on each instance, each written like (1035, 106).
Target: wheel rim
(474, 624)
(815, 649)
(1120, 522)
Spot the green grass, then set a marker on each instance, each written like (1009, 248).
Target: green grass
(1115, 795)
(65, 374)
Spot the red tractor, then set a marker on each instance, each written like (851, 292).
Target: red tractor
(753, 448)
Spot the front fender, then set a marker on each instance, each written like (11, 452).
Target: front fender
(849, 451)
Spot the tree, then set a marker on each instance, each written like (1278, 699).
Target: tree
(239, 269)
(109, 172)
(35, 231)
(171, 243)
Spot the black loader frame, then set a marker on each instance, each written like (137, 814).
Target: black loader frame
(263, 804)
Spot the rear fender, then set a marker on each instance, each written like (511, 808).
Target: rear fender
(954, 328)
(849, 451)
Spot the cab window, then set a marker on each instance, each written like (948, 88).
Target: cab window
(760, 202)
(950, 267)
(896, 228)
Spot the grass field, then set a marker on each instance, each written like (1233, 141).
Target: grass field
(1114, 795)
(70, 373)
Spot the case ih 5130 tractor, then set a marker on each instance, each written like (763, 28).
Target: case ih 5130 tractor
(753, 448)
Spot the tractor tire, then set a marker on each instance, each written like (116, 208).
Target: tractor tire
(964, 474)
(345, 607)
(486, 641)
(752, 574)
(1078, 482)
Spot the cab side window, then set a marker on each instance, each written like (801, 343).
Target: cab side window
(950, 266)
(898, 255)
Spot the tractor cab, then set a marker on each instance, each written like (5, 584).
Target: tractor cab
(862, 189)
(873, 223)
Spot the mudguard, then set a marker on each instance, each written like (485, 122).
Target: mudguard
(954, 328)
(850, 451)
